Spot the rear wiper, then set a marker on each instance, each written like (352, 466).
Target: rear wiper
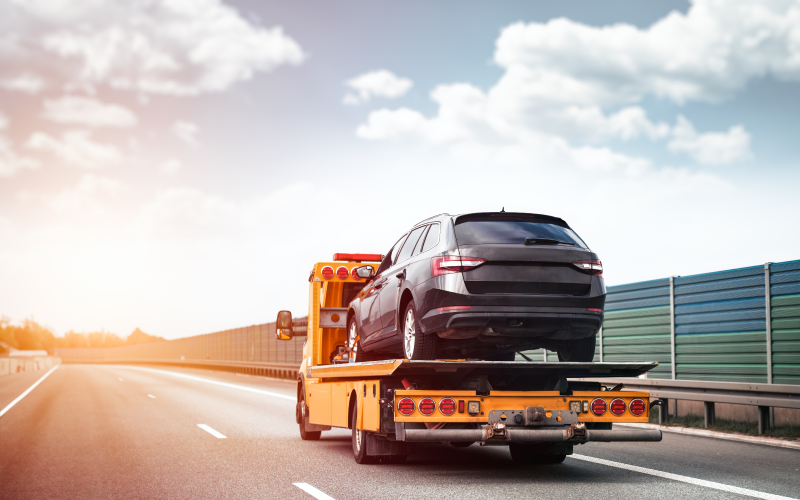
(546, 241)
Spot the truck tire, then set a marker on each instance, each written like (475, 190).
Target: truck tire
(360, 443)
(304, 434)
(531, 454)
(578, 351)
(416, 345)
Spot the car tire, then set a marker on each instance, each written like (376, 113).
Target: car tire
(531, 454)
(578, 351)
(360, 443)
(416, 345)
(304, 434)
(358, 350)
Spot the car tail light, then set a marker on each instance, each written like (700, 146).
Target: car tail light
(617, 406)
(637, 407)
(453, 264)
(593, 267)
(405, 406)
(327, 272)
(447, 406)
(342, 273)
(452, 308)
(427, 406)
(598, 406)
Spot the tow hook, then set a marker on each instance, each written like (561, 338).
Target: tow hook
(577, 430)
(497, 429)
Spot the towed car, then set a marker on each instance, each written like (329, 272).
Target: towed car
(480, 286)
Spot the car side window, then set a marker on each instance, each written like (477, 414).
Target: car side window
(409, 245)
(386, 263)
(432, 238)
(418, 248)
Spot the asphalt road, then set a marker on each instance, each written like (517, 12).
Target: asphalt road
(91, 431)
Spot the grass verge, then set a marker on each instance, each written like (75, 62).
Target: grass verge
(791, 432)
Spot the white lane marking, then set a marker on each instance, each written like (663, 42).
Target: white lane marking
(313, 491)
(211, 431)
(151, 396)
(223, 384)
(684, 479)
(11, 404)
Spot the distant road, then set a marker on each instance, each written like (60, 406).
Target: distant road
(97, 431)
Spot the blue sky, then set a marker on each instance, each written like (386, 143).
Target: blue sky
(179, 166)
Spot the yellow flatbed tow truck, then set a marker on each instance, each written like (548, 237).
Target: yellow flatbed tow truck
(389, 405)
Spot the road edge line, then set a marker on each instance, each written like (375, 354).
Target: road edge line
(781, 443)
(19, 398)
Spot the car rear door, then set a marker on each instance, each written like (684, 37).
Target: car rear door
(523, 256)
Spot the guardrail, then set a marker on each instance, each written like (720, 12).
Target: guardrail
(283, 371)
(11, 365)
(764, 396)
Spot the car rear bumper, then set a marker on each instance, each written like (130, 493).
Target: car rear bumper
(517, 323)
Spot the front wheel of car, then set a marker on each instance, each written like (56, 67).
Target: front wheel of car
(578, 351)
(416, 345)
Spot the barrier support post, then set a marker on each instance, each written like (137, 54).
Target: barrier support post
(709, 413)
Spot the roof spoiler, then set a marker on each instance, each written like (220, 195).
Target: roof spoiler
(513, 216)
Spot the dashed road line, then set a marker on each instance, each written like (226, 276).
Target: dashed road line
(684, 479)
(313, 491)
(151, 396)
(11, 404)
(214, 382)
(213, 432)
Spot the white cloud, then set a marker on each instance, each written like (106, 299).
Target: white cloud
(76, 148)
(10, 161)
(185, 131)
(89, 112)
(25, 82)
(3, 121)
(380, 83)
(177, 47)
(185, 212)
(170, 167)
(90, 195)
(711, 148)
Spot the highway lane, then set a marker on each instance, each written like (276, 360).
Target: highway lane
(94, 431)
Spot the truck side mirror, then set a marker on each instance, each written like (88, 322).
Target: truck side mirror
(365, 272)
(283, 326)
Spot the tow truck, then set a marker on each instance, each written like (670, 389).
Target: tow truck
(534, 408)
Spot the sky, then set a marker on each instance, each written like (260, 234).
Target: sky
(179, 165)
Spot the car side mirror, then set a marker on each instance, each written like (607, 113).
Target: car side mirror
(365, 272)
(283, 326)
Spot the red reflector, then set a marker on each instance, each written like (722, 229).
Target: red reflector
(618, 406)
(358, 257)
(327, 272)
(342, 273)
(427, 406)
(460, 406)
(447, 406)
(453, 308)
(638, 407)
(405, 406)
(598, 406)
(595, 310)
(593, 267)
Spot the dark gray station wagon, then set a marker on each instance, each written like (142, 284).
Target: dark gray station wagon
(481, 286)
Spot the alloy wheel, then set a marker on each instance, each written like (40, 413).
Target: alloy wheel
(409, 334)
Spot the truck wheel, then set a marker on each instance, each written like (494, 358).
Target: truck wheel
(360, 354)
(416, 345)
(532, 455)
(360, 443)
(304, 434)
(578, 351)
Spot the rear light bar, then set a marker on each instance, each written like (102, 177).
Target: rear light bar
(327, 272)
(427, 406)
(447, 406)
(358, 257)
(598, 406)
(453, 264)
(593, 267)
(637, 407)
(342, 273)
(617, 406)
(405, 406)
(452, 308)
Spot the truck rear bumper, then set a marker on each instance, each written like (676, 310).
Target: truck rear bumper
(515, 435)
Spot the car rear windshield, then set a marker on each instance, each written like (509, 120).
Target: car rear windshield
(503, 231)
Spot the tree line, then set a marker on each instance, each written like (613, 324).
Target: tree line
(30, 335)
